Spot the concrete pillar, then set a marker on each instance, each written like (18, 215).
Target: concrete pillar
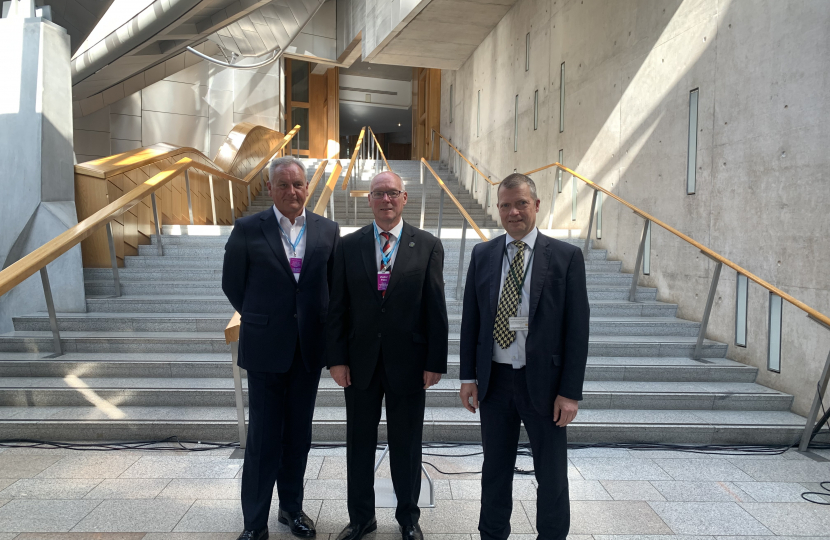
(37, 194)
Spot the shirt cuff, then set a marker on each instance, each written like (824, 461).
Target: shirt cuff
(466, 381)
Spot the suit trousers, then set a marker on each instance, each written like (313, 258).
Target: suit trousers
(404, 426)
(280, 408)
(502, 411)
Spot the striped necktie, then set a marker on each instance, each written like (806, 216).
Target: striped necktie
(387, 249)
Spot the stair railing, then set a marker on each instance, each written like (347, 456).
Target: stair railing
(37, 260)
(776, 295)
(315, 180)
(375, 150)
(454, 162)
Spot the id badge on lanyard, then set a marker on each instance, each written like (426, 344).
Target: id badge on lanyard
(296, 263)
(519, 324)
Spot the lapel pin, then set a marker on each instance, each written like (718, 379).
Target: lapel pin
(412, 244)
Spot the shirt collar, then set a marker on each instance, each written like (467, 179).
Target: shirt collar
(299, 221)
(529, 239)
(396, 230)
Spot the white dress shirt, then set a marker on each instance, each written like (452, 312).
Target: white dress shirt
(514, 354)
(292, 230)
(394, 236)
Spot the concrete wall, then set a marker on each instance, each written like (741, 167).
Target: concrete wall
(195, 107)
(351, 21)
(319, 37)
(762, 157)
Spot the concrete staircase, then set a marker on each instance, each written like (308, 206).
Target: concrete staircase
(153, 363)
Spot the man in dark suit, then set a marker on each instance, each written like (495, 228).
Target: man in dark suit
(277, 275)
(387, 336)
(524, 347)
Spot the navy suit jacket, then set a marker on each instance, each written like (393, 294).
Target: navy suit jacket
(275, 308)
(556, 349)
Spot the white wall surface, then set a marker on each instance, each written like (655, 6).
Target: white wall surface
(762, 72)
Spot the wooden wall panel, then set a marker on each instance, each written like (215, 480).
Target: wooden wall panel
(317, 115)
(99, 182)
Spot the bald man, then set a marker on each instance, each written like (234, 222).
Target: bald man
(386, 337)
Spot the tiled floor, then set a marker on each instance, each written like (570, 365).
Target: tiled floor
(616, 494)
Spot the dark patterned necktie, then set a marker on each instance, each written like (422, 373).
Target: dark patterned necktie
(509, 302)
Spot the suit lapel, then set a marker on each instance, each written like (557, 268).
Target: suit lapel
(271, 229)
(539, 271)
(402, 257)
(367, 250)
(312, 235)
(496, 254)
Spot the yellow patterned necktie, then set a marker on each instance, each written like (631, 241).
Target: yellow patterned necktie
(509, 302)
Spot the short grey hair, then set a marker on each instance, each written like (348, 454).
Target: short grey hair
(285, 161)
(515, 180)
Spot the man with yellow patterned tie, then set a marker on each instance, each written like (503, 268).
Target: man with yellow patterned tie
(524, 347)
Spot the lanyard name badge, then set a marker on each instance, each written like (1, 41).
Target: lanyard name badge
(384, 275)
(296, 263)
(518, 324)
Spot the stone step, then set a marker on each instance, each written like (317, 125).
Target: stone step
(214, 392)
(206, 322)
(200, 342)
(90, 423)
(207, 365)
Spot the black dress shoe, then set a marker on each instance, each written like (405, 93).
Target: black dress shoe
(299, 523)
(412, 532)
(261, 534)
(354, 531)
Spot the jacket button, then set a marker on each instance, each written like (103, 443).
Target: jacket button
(383, 310)
(378, 335)
(295, 315)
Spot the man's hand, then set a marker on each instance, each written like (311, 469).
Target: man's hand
(469, 390)
(564, 410)
(341, 375)
(431, 379)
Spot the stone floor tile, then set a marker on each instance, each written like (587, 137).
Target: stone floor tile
(573, 473)
(772, 492)
(6, 482)
(211, 516)
(587, 490)
(442, 490)
(719, 470)
(91, 465)
(325, 489)
(620, 453)
(620, 517)
(700, 491)
(333, 468)
(183, 467)
(203, 488)
(128, 488)
(32, 515)
(631, 490)
(136, 515)
(202, 536)
(784, 470)
(22, 466)
(79, 536)
(814, 487)
(313, 465)
(657, 537)
(523, 489)
(704, 518)
(51, 488)
(619, 469)
(793, 519)
(12, 536)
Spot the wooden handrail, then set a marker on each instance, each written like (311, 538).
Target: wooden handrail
(16, 273)
(316, 180)
(455, 201)
(264, 161)
(354, 158)
(470, 163)
(817, 315)
(232, 330)
(331, 183)
(388, 168)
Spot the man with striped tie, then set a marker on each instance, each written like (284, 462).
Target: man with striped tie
(387, 337)
(524, 347)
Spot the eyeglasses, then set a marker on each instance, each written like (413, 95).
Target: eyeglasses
(394, 194)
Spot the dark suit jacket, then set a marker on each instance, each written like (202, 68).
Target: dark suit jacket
(275, 308)
(557, 339)
(409, 325)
